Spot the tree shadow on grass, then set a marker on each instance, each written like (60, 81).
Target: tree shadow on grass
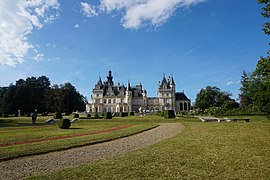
(5, 123)
(75, 128)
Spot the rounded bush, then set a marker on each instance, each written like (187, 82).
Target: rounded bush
(96, 116)
(169, 114)
(76, 115)
(131, 113)
(123, 114)
(64, 123)
(5, 115)
(57, 115)
(88, 116)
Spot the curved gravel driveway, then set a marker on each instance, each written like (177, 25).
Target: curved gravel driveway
(33, 165)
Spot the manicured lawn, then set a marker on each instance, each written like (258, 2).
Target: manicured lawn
(20, 138)
(202, 151)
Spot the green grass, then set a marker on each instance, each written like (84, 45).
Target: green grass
(202, 151)
(21, 129)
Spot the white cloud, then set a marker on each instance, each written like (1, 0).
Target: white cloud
(76, 26)
(137, 13)
(229, 83)
(39, 57)
(18, 18)
(88, 10)
(232, 82)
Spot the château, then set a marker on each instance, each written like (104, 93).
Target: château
(108, 97)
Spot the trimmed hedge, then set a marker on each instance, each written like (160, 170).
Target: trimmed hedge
(5, 115)
(64, 124)
(58, 115)
(123, 114)
(76, 115)
(88, 116)
(108, 115)
(96, 116)
(169, 114)
(131, 113)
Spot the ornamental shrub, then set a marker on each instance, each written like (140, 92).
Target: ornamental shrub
(5, 115)
(96, 116)
(169, 114)
(76, 115)
(88, 116)
(131, 113)
(107, 115)
(58, 115)
(123, 114)
(64, 123)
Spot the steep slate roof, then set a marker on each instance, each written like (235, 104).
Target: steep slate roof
(172, 82)
(181, 96)
(116, 89)
(164, 83)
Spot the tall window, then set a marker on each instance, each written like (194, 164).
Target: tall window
(109, 101)
(105, 101)
(165, 101)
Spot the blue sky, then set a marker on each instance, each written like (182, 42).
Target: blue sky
(199, 42)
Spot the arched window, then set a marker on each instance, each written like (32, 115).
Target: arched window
(181, 106)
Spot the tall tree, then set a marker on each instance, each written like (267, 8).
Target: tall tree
(255, 90)
(214, 97)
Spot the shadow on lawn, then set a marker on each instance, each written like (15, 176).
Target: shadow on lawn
(4, 123)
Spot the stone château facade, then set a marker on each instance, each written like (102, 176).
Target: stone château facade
(108, 97)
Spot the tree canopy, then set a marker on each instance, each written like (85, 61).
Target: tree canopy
(255, 90)
(37, 93)
(212, 96)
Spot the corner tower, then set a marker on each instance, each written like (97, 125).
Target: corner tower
(166, 94)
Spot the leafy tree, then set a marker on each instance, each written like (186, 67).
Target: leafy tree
(214, 97)
(36, 93)
(255, 90)
(266, 14)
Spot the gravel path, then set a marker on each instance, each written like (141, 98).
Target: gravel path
(33, 165)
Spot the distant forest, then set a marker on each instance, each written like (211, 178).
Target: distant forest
(38, 94)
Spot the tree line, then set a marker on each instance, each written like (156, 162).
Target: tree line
(36, 93)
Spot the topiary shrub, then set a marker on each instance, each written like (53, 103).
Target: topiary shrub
(131, 114)
(107, 115)
(64, 123)
(96, 116)
(5, 116)
(44, 114)
(123, 114)
(169, 114)
(57, 115)
(76, 115)
(88, 116)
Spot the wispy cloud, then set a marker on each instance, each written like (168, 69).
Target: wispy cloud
(51, 45)
(22, 17)
(39, 57)
(191, 51)
(137, 13)
(232, 82)
(88, 10)
(76, 26)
